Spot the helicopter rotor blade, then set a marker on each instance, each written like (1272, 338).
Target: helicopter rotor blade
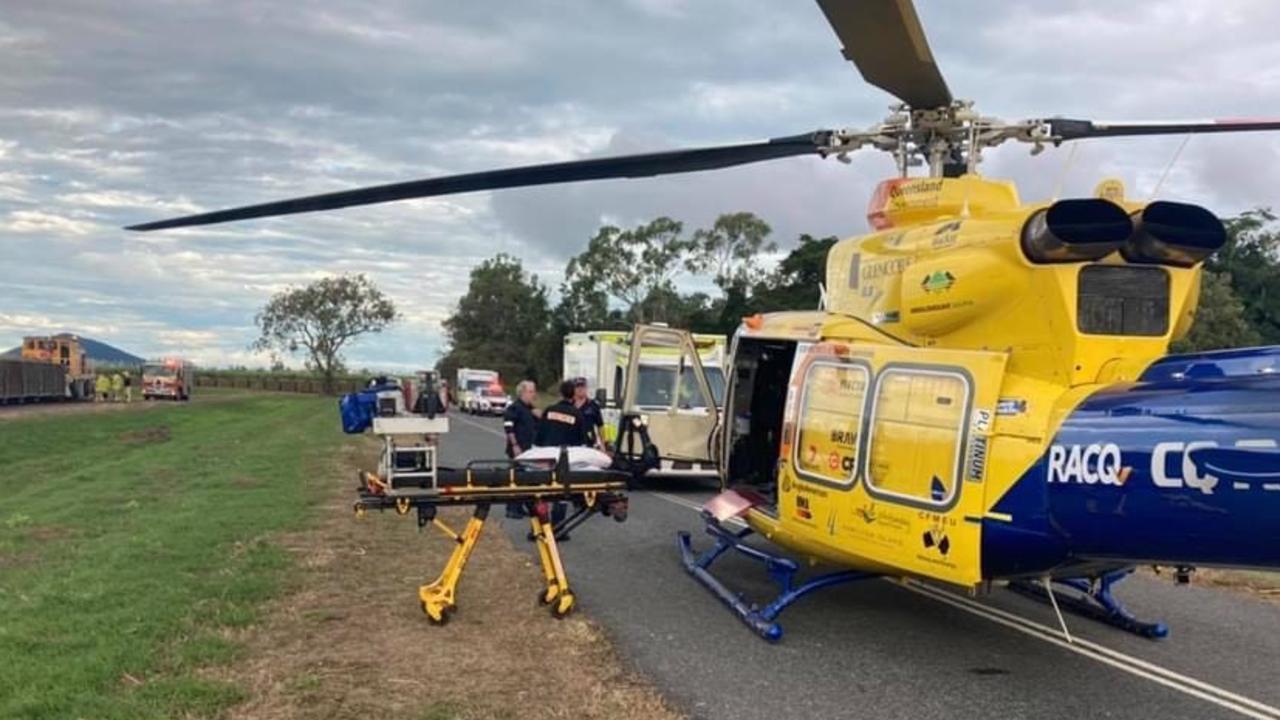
(885, 41)
(1062, 129)
(623, 166)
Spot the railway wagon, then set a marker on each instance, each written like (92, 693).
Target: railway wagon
(22, 381)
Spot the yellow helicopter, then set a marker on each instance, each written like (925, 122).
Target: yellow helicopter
(986, 394)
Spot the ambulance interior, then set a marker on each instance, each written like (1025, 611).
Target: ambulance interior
(755, 413)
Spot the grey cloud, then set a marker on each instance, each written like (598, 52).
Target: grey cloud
(115, 114)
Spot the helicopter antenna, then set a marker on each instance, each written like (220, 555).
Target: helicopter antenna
(1066, 170)
(1053, 600)
(1167, 168)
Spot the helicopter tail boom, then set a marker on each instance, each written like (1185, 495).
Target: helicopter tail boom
(1181, 468)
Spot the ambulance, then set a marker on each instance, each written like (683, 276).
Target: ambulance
(664, 391)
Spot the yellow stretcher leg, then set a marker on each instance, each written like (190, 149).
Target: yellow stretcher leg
(438, 597)
(557, 594)
(548, 567)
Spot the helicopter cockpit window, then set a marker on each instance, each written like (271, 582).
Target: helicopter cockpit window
(917, 431)
(830, 421)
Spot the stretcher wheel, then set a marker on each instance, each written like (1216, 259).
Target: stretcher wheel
(445, 613)
(562, 606)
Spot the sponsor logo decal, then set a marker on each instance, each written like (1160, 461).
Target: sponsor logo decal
(802, 508)
(901, 192)
(977, 465)
(1095, 464)
(937, 539)
(844, 437)
(946, 235)
(1185, 473)
(860, 272)
(938, 281)
(1011, 406)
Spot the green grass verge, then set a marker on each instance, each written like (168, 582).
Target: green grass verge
(131, 541)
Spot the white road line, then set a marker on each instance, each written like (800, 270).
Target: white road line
(1113, 658)
(477, 425)
(1129, 661)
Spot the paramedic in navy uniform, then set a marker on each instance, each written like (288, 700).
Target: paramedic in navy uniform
(520, 425)
(562, 423)
(519, 422)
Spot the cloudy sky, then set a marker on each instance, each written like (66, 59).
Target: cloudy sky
(117, 113)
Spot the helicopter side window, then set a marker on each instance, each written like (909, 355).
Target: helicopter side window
(917, 431)
(830, 421)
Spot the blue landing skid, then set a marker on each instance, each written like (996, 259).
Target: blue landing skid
(1095, 602)
(780, 569)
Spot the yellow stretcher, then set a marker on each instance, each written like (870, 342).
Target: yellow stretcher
(482, 484)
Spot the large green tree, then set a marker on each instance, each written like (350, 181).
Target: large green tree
(730, 250)
(1251, 259)
(1220, 318)
(500, 323)
(322, 319)
(795, 283)
(629, 266)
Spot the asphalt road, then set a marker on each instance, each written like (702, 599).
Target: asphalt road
(879, 649)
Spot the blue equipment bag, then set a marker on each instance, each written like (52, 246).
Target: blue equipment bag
(359, 408)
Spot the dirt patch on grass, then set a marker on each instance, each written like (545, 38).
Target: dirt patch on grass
(36, 410)
(350, 641)
(50, 533)
(1261, 584)
(14, 559)
(38, 536)
(146, 436)
(1265, 585)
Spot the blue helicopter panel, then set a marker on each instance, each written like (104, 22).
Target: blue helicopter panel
(1183, 464)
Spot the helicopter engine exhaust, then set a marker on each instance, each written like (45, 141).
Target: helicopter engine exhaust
(1075, 231)
(1170, 233)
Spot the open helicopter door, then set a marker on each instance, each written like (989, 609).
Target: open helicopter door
(667, 388)
(885, 460)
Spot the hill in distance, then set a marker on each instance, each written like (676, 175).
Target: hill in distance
(100, 353)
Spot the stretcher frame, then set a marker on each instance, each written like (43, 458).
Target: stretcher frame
(480, 485)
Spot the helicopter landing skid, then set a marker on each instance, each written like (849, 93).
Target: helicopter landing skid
(1095, 602)
(762, 620)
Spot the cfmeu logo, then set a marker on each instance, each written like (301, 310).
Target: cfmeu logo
(1094, 464)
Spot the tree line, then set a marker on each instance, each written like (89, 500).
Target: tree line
(507, 321)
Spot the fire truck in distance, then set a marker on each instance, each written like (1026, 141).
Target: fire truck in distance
(172, 378)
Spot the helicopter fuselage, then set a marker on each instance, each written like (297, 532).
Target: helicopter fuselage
(988, 396)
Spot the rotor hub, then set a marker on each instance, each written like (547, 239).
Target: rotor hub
(949, 140)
